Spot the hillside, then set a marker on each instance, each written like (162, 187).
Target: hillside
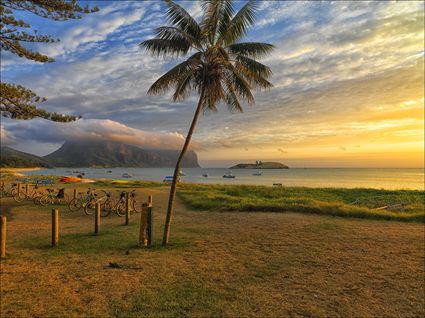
(116, 154)
(260, 165)
(11, 158)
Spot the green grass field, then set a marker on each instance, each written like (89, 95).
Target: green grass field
(361, 203)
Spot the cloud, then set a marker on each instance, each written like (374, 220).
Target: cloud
(281, 150)
(95, 27)
(42, 131)
(344, 73)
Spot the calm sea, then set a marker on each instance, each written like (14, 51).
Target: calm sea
(306, 177)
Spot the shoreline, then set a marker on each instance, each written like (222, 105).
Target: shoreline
(17, 171)
(6, 169)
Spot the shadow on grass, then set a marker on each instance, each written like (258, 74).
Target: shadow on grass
(110, 240)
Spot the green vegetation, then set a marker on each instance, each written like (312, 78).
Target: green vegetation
(128, 184)
(17, 159)
(326, 201)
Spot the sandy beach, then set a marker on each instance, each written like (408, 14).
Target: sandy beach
(16, 171)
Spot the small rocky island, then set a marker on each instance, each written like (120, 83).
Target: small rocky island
(260, 165)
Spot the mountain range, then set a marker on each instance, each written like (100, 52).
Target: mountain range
(98, 154)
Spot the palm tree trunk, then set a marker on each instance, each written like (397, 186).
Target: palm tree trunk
(177, 169)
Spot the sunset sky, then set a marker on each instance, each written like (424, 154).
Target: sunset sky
(348, 86)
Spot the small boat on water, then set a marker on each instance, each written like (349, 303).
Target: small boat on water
(205, 175)
(229, 175)
(257, 173)
(109, 171)
(168, 179)
(126, 175)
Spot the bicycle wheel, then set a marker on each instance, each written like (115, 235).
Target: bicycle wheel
(106, 207)
(75, 205)
(19, 197)
(37, 198)
(46, 200)
(90, 207)
(120, 208)
(136, 206)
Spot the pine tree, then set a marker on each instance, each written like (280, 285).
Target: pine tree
(16, 101)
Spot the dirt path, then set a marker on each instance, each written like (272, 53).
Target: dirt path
(219, 264)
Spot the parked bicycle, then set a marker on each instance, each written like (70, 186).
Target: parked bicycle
(81, 200)
(19, 195)
(52, 197)
(8, 192)
(33, 194)
(105, 201)
(134, 205)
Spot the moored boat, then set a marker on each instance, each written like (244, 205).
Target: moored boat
(168, 179)
(229, 175)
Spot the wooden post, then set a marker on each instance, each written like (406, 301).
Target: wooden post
(27, 189)
(3, 237)
(19, 188)
(97, 218)
(143, 239)
(150, 200)
(55, 227)
(75, 193)
(127, 208)
(150, 225)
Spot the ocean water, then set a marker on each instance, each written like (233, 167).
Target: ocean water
(301, 177)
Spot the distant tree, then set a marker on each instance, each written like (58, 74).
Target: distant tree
(221, 69)
(16, 101)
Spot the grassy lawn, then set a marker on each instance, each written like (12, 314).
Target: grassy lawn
(325, 201)
(218, 264)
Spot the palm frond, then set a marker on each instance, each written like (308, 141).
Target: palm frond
(163, 47)
(181, 19)
(254, 79)
(232, 101)
(210, 19)
(216, 11)
(175, 34)
(184, 86)
(255, 66)
(240, 85)
(175, 75)
(251, 49)
(239, 24)
(226, 17)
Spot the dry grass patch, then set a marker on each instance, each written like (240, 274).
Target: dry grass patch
(219, 264)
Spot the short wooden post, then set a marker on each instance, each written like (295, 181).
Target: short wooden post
(3, 237)
(143, 239)
(97, 218)
(55, 227)
(149, 200)
(75, 193)
(127, 208)
(149, 231)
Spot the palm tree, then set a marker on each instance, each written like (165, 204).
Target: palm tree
(220, 68)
